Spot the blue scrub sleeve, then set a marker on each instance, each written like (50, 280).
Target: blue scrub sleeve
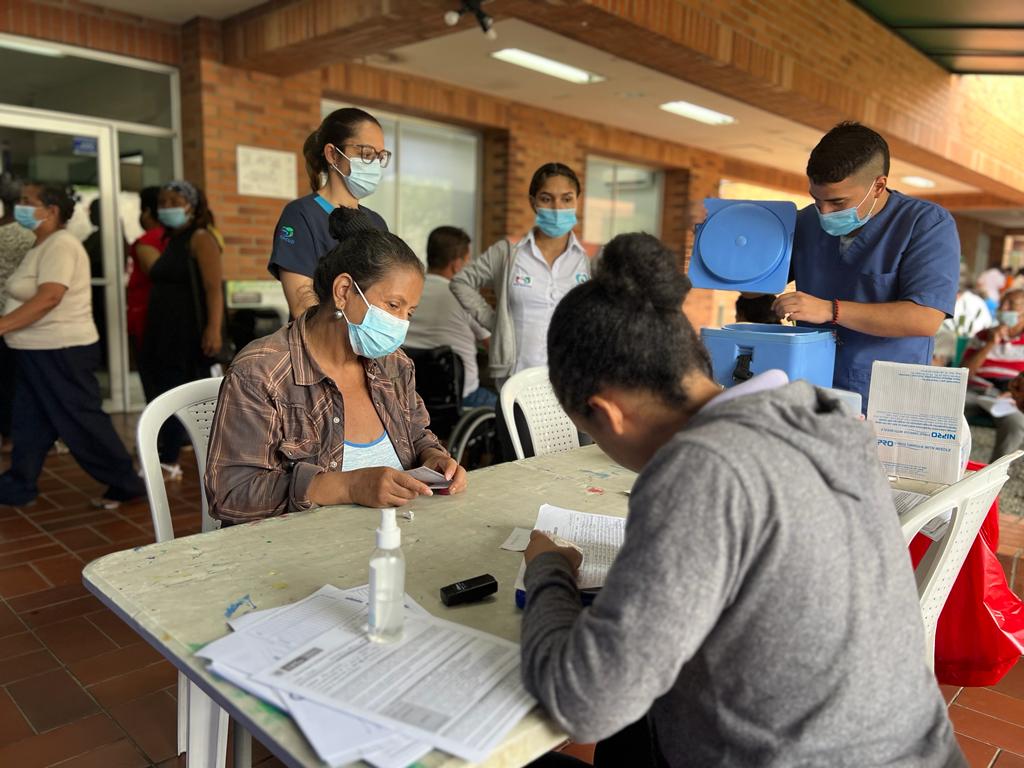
(930, 268)
(294, 247)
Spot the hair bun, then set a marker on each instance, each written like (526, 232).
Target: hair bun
(345, 222)
(640, 268)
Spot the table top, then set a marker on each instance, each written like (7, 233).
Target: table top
(178, 594)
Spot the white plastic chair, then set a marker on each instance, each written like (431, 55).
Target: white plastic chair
(202, 725)
(970, 500)
(551, 430)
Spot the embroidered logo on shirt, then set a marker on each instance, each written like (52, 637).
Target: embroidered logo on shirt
(288, 234)
(524, 280)
(581, 278)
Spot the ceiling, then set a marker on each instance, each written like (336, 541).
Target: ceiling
(964, 36)
(628, 98)
(1004, 218)
(179, 12)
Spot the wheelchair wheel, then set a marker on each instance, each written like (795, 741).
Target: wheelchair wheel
(474, 439)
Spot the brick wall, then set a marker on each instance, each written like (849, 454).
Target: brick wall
(88, 26)
(223, 107)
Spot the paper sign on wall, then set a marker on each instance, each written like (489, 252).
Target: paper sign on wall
(266, 172)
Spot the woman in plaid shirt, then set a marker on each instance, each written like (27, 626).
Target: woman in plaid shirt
(325, 410)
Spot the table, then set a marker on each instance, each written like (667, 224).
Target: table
(178, 594)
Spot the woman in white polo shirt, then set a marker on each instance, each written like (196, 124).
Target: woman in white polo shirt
(48, 323)
(530, 277)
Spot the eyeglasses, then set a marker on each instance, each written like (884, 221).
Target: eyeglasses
(368, 154)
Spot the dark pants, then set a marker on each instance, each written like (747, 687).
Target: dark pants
(6, 388)
(57, 395)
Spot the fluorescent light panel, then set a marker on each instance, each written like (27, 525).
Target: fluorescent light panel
(546, 66)
(29, 47)
(918, 181)
(698, 113)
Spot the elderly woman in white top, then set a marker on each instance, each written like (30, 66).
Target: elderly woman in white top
(48, 323)
(530, 277)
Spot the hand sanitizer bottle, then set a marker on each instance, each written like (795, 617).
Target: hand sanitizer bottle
(387, 582)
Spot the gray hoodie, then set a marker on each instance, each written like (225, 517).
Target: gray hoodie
(762, 610)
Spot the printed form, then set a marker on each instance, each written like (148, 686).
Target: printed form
(443, 683)
(598, 536)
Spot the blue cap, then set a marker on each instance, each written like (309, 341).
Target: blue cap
(744, 245)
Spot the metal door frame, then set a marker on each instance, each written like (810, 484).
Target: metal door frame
(109, 184)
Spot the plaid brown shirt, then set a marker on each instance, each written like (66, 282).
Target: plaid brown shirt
(280, 421)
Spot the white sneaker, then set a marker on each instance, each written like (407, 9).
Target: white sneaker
(172, 471)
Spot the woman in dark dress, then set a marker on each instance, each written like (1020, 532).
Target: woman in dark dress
(186, 306)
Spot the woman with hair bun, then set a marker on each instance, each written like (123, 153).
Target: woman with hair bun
(345, 159)
(325, 410)
(48, 323)
(762, 611)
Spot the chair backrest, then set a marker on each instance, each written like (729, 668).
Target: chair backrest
(439, 378)
(968, 501)
(194, 404)
(551, 429)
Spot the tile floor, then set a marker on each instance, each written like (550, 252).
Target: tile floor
(79, 689)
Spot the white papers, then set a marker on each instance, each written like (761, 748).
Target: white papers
(598, 536)
(482, 700)
(518, 540)
(917, 414)
(430, 478)
(905, 501)
(997, 407)
(263, 637)
(448, 685)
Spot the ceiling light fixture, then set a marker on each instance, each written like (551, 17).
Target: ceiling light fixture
(698, 113)
(451, 18)
(27, 46)
(546, 66)
(918, 181)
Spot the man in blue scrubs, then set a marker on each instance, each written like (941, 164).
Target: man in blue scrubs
(874, 265)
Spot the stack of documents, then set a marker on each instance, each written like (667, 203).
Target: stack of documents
(599, 537)
(442, 686)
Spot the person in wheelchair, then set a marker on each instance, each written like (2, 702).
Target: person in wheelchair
(441, 321)
(325, 410)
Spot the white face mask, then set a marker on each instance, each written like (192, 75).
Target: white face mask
(1008, 317)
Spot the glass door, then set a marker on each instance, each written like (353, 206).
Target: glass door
(81, 154)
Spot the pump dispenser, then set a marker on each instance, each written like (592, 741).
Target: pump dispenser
(387, 582)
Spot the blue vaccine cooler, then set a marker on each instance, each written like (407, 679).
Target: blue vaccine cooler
(746, 246)
(740, 351)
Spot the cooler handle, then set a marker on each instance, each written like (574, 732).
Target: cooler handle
(742, 371)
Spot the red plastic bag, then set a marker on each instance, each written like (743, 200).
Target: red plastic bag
(980, 634)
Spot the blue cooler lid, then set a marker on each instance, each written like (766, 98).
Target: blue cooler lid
(744, 245)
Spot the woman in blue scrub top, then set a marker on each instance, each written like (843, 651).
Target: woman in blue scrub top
(345, 158)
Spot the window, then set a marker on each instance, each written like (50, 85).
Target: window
(619, 198)
(432, 180)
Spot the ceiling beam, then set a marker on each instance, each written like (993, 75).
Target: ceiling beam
(971, 201)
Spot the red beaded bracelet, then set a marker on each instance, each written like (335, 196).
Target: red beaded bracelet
(835, 311)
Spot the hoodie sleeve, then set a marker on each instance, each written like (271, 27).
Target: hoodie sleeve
(467, 282)
(598, 670)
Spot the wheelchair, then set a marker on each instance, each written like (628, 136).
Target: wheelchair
(470, 435)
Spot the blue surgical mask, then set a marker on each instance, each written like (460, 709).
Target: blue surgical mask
(555, 222)
(839, 223)
(380, 333)
(26, 216)
(173, 218)
(1008, 317)
(363, 178)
